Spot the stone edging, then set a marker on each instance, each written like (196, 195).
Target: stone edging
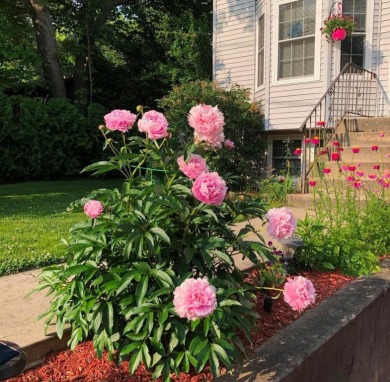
(344, 339)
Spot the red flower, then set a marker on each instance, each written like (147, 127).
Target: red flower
(351, 167)
(359, 173)
(324, 152)
(312, 183)
(374, 148)
(298, 151)
(372, 176)
(336, 143)
(321, 124)
(376, 167)
(340, 149)
(315, 141)
(307, 140)
(335, 157)
(355, 150)
(357, 184)
(327, 170)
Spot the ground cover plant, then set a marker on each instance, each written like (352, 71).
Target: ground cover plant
(150, 277)
(350, 229)
(33, 220)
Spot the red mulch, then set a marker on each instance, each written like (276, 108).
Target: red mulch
(83, 366)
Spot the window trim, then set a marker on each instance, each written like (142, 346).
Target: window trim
(261, 86)
(317, 47)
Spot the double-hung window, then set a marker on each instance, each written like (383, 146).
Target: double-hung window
(296, 39)
(260, 51)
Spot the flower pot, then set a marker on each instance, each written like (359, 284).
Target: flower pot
(339, 34)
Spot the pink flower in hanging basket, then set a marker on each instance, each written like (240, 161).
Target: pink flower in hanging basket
(339, 34)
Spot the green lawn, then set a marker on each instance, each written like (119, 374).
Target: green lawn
(33, 219)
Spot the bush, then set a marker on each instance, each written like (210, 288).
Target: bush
(145, 243)
(244, 123)
(44, 139)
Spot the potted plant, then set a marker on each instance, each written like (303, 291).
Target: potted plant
(338, 27)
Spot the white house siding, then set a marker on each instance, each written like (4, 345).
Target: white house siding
(289, 103)
(234, 43)
(384, 50)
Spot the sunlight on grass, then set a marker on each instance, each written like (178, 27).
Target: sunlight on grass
(33, 220)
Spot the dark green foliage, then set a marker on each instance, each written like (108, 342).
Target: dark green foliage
(122, 268)
(243, 125)
(43, 139)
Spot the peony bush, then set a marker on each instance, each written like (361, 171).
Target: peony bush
(151, 275)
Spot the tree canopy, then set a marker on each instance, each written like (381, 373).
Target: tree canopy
(115, 52)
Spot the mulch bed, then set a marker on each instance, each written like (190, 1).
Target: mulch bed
(83, 366)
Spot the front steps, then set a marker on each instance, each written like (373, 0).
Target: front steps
(357, 132)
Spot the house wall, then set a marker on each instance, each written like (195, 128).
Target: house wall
(286, 103)
(234, 43)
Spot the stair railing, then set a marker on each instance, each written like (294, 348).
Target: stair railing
(355, 91)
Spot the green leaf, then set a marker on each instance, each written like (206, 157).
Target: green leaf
(163, 277)
(220, 351)
(141, 290)
(135, 360)
(145, 355)
(327, 265)
(215, 329)
(229, 302)
(214, 364)
(202, 358)
(76, 269)
(162, 316)
(222, 255)
(129, 348)
(157, 371)
(161, 234)
(173, 342)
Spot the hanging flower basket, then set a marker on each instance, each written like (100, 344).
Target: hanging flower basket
(339, 34)
(338, 27)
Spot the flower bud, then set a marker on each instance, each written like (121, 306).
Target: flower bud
(139, 109)
(101, 127)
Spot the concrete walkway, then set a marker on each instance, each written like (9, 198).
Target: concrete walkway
(19, 312)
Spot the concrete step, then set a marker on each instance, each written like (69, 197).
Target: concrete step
(361, 138)
(366, 154)
(369, 124)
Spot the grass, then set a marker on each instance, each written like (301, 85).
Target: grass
(33, 219)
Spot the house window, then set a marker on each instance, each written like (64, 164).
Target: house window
(352, 48)
(283, 159)
(260, 51)
(296, 38)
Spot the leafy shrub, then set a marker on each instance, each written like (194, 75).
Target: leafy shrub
(42, 139)
(124, 266)
(244, 124)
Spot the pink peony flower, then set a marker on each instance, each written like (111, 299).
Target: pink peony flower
(281, 223)
(208, 122)
(121, 120)
(93, 209)
(355, 150)
(298, 151)
(195, 165)
(336, 143)
(335, 157)
(299, 293)
(327, 170)
(229, 144)
(154, 125)
(195, 298)
(374, 148)
(209, 188)
(312, 183)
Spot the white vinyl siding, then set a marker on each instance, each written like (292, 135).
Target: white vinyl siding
(234, 50)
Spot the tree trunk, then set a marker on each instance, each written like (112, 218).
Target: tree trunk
(47, 47)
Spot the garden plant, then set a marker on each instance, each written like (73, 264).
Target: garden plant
(349, 230)
(150, 276)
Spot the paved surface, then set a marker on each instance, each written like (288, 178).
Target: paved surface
(19, 312)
